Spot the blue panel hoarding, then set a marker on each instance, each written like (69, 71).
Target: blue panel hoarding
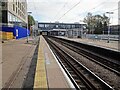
(7, 29)
(18, 32)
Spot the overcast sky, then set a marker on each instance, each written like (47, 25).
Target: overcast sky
(53, 10)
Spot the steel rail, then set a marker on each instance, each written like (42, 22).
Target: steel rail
(82, 72)
(106, 63)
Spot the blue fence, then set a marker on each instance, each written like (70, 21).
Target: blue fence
(7, 29)
(18, 32)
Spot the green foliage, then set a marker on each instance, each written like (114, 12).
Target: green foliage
(88, 20)
(105, 27)
(96, 23)
(31, 20)
(99, 28)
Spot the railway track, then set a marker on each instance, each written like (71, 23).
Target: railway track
(108, 63)
(81, 76)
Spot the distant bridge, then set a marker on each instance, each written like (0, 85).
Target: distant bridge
(50, 26)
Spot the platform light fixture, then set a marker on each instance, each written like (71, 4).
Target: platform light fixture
(109, 26)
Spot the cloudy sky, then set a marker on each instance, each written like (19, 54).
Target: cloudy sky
(76, 10)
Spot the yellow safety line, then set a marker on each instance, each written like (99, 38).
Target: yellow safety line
(40, 75)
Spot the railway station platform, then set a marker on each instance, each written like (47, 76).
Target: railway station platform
(49, 73)
(113, 45)
(16, 59)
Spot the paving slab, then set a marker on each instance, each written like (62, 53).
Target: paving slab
(16, 58)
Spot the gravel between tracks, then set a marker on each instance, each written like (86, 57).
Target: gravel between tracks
(108, 76)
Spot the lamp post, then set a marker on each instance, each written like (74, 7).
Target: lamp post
(28, 13)
(109, 26)
(81, 30)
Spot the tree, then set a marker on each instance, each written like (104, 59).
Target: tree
(88, 20)
(96, 23)
(99, 28)
(31, 22)
(106, 23)
(105, 27)
(105, 19)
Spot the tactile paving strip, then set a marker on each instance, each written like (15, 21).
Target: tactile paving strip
(40, 75)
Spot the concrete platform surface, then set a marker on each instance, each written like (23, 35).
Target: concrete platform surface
(114, 45)
(55, 77)
(16, 58)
